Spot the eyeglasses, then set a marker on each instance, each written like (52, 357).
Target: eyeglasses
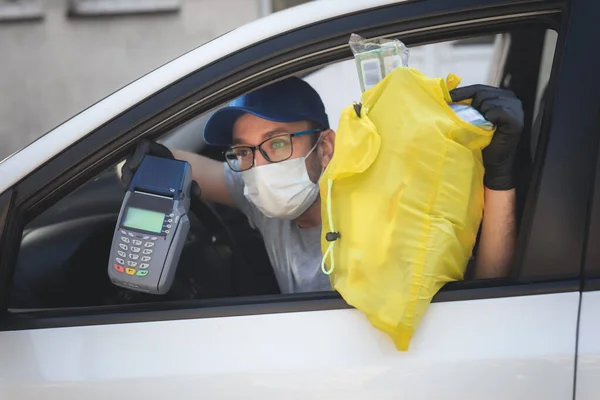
(274, 149)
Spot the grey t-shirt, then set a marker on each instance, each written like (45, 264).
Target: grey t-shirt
(295, 253)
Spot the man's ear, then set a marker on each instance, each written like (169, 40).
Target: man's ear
(326, 147)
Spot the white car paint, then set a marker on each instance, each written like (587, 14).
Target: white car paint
(472, 350)
(503, 348)
(588, 349)
(12, 169)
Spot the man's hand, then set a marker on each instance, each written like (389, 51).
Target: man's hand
(144, 147)
(502, 108)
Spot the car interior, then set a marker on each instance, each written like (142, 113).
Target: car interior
(64, 251)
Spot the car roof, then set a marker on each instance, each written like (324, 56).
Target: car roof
(20, 164)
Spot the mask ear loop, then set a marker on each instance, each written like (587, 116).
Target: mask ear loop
(315, 146)
(331, 236)
(313, 149)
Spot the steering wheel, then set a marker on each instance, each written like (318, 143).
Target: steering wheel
(211, 241)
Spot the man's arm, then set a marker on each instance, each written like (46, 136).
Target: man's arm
(498, 231)
(497, 242)
(209, 175)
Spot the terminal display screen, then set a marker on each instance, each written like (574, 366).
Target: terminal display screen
(144, 220)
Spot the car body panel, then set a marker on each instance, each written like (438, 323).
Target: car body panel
(588, 348)
(477, 349)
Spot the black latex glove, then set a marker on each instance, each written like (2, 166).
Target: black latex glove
(144, 147)
(502, 108)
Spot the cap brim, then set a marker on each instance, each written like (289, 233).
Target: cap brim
(218, 130)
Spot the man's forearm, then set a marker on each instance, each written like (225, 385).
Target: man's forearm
(209, 175)
(497, 243)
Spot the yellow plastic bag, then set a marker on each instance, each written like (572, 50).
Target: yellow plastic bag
(404, 190)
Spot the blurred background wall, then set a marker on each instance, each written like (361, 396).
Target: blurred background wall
(53, 65)
(58, 57)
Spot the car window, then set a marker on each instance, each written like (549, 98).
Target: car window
(64, 251)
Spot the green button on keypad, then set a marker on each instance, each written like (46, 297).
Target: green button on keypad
(142, 273)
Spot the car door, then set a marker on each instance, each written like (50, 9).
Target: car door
(588, 345)
(498, 339)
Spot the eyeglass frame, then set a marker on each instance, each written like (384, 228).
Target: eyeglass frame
(258, 147)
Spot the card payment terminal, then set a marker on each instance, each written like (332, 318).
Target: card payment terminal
(152, 226)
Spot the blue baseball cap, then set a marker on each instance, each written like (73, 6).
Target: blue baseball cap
(288, 100)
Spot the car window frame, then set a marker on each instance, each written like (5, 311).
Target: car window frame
(134, 130)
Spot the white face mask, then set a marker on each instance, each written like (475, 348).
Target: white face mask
(281, 190)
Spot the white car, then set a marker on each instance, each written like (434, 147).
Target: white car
(224, 331)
